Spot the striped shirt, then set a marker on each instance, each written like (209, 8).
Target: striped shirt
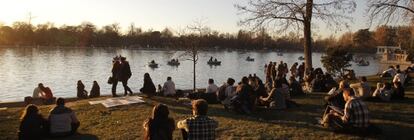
(356, 113)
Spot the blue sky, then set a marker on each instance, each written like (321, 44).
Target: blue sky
(219, 15)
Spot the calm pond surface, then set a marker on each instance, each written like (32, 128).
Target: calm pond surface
(60, 68)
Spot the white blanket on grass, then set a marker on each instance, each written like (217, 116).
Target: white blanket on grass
(118, 101)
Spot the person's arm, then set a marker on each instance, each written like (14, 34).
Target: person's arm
(73, 117)
(347, 112)
(182, 125)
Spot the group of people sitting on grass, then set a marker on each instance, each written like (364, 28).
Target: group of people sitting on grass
(61, 122)
(82, 93)
(161, 127)
(45, 93)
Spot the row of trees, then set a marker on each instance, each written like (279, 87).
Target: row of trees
(88, 34)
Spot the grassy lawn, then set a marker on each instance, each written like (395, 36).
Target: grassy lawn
(396, 119)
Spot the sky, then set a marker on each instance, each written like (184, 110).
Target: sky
(220, 15)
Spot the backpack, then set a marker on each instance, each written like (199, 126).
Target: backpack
(221, 93)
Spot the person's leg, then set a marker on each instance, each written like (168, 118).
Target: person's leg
(126, 88)
(114, 83)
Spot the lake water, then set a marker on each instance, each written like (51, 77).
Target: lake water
(60, 68)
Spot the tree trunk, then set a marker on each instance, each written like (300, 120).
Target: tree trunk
(194, 71)
(308, 36)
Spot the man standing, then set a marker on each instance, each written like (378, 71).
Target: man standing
(124, 75)
(200, 126)
(121, 71)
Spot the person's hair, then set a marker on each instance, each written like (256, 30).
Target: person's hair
(292, 78)
(210, 81)
(363, 79)
(230, 81)
(245, 80)
(94, 82)
(200, 107)
(60, 101)
(30, 110)
(344, 83)
(40, 85)
(147, 78)
(160, 112)
(348, 92)
(123, 58)
(397, 66)
(158, 120)
(168, 78)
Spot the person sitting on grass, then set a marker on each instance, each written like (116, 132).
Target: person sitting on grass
(37, 92)
(399, 77)
(32, 124)
(159, 126)
(241, 102)
(295, 88)
(398, 91)
(200, 126)
(169, 87)
(63, 121)
(353, 118)
(383, 92)
(335, 98)
(81, 92)
(210, 94)
(148, 87)
(362, 89)
(229, 93)
(95, 91)
(276, 99)
(47, 95)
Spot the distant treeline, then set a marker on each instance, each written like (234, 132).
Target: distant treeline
(88, 34)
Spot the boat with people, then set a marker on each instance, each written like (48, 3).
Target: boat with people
(301, 58)
(249, 58)
(173, 62)
(215, 62)
(279, 54)
(363, 63)
(152, 64)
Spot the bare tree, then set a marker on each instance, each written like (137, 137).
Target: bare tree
(286, 15)
(390, 11)
(197, 30)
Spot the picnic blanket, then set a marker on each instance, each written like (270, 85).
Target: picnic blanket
(118, 101)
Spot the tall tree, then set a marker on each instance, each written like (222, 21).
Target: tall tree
(385, 11)
(296, 14)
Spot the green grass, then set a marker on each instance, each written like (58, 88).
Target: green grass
(396, 119)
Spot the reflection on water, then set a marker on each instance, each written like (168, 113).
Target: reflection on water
(60, 68)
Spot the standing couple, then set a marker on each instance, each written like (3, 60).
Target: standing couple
(121, 71)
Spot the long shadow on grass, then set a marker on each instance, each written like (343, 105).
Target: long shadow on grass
(77, 137)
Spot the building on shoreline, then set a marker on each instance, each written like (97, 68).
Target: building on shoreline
(391, 56)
